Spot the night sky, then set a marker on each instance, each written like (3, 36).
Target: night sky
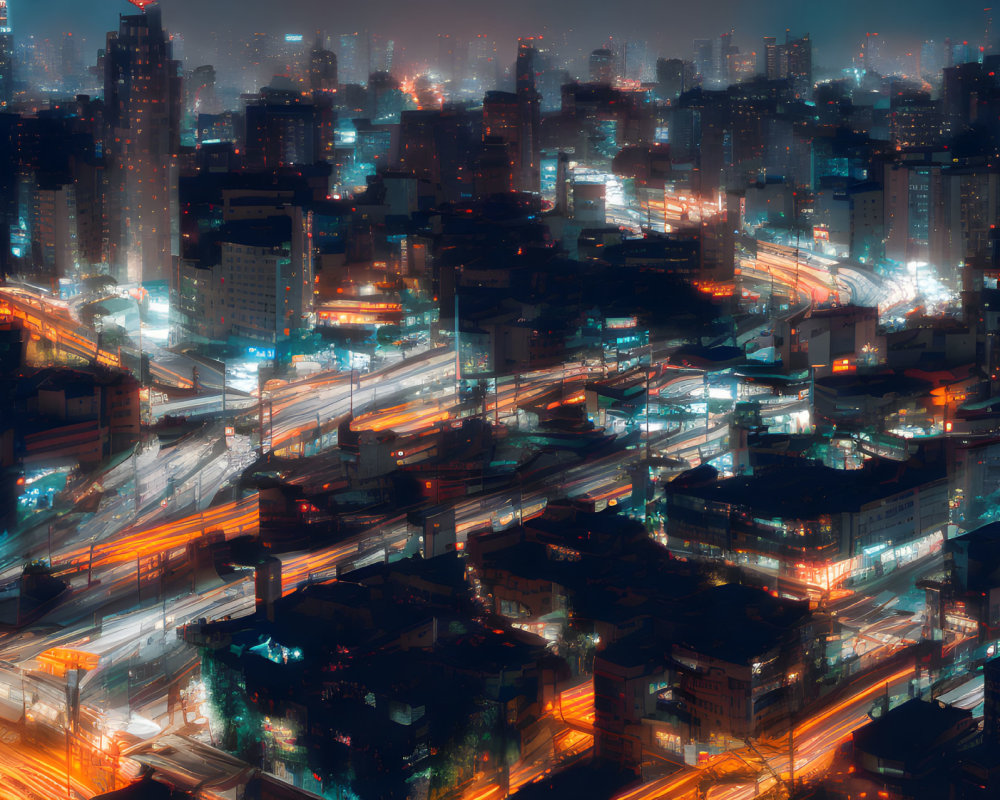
(670, 26)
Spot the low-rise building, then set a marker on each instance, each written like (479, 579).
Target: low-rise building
(814, 523)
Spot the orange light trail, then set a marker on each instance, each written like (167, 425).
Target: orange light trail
(235, 518)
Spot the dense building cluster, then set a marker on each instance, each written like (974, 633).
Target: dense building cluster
(523, 417)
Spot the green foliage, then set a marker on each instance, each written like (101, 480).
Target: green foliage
(387, 334)
(241, 724)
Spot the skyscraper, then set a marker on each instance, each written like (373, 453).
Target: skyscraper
(602, 66)
(322, 68)
(636, 61)
(704, 62)
(529, 106)
(790, 61)
(670, 77)
(800, 63)
(6, 58)
(447, 61)
(142, 97)
(728, 52)
(502, 127)
(483, 60)
(354, 57)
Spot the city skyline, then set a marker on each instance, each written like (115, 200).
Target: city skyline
(397, 413)
(836, 29)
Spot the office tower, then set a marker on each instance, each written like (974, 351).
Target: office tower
(384, 99)
(799, 63)
(728, 52)
(440, 146)
(791, 61)
(6, 58)
(931, 60)
(483, 63)
(382, 51)
(322, 68)
(871, 52)
(258, 287)
(961, 53)
(602, 66)
(199, 91)
(280, 131)
(69, 62)
(529, 108)
(55, 236)
(142, 97)
(447, 62)
(502, 126)
(636, 61)
(177, 47)
(703, 60)
(354, 57)
(670, 77)
(772, 58)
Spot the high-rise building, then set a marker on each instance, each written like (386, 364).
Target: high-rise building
(281, 131)
(636, 65)
(773, 53)
(791, 61)
(322, 68)
(871, 52)
(6, 58)
(704, 62)
(199, 91)
(142, 99)
(530, 111)
(799, 63)
(55, 252)
(69, 62)
(259, 286)
(728, 53)
(483, 63)
(448, 57)
(670, 78)
(354, 57)
(502, 125)
(602, 66)
(931, 60)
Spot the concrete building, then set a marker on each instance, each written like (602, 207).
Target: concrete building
(142, 102)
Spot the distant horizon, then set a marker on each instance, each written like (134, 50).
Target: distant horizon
(836, 29)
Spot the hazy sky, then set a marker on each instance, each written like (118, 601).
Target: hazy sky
(668, 25)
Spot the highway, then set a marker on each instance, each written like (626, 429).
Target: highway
(146, 509)
(815, 740)
(820, 279)
(49, 318)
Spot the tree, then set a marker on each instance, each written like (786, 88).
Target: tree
(387, 334)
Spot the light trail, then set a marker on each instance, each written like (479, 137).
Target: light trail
(232, 519)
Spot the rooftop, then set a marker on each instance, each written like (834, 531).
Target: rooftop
(910, 730)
